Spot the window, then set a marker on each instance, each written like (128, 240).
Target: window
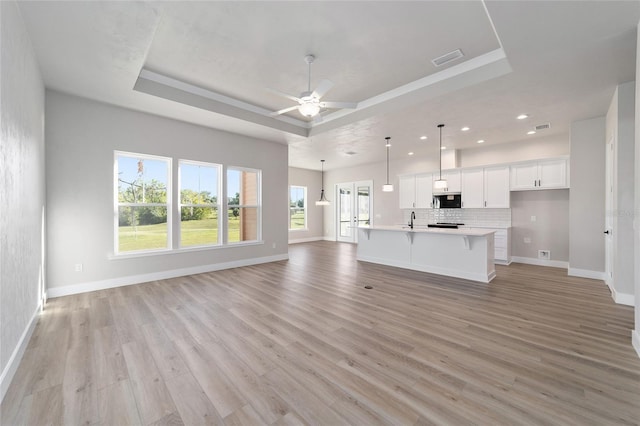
(297, 207)
(199, 189)
(143, 197)
(243, 205)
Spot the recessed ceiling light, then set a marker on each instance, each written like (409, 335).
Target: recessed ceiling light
(423, 137)
(411, 153)
(351, 153)
(443, 147)
(481, 141)
(522, 116)
(464, 129)
(531, 132)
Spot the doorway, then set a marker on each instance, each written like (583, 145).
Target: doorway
(354, 208)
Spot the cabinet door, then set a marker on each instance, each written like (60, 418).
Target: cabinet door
(472, 189)
(453, 181)
(424, 191)
(524, 176)
(407, 190)
(496, 187)
(552, 173)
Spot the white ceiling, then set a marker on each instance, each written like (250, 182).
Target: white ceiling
(210, 63)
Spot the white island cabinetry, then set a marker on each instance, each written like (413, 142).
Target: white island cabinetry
(461, 253)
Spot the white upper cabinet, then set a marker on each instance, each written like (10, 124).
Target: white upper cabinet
(542, 174)
(473, 189)
(407, 192)
(416, 192)
(496, 187)
(453, 178)
(424, 191)
(487, 187)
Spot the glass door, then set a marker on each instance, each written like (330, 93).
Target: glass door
(354, 208)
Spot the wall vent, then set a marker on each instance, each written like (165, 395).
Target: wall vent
(544, 126)
(448, 57)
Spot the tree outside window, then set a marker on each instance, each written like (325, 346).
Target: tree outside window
(297, 207)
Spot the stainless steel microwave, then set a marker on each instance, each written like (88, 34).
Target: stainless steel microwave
(447, 201)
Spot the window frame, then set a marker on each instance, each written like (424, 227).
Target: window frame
(180, 205)
(227, 206)
(116, 203)
(305, 209)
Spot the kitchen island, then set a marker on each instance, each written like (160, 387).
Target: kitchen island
(461, 253)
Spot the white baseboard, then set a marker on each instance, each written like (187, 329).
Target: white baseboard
(330, 239)
(14, 361)
(540, 262)
(163, 275)
(305, 240)
(586, 273)
(623, 298)
(635, 341)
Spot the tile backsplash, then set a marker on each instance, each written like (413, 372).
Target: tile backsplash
(499, 218)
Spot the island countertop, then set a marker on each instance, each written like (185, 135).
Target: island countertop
(470, 232)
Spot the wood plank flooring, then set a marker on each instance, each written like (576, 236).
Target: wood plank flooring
(302, 342)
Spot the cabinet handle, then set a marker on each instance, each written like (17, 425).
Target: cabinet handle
(539, 182)
(485, 204)
(535, 183)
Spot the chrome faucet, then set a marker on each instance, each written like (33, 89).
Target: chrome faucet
(413, 216)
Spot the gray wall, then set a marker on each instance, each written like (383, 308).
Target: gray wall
(81, 138)
(22, 187)
(550, 231)
(312, 180)
(587, 196)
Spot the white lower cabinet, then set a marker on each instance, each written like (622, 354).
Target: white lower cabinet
(502, 239)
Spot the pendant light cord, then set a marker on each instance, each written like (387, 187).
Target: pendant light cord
(388, 144)
(440, 126)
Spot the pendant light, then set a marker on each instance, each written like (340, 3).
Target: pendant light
(322, 201)
(387, 187)
(440, 183)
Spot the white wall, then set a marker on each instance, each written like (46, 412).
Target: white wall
(81, 138)
(587, 198)
(22, 190)
(533, 149)
(620, 129)
(311, 179)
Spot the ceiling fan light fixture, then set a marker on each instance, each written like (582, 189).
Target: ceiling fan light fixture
(309, 109)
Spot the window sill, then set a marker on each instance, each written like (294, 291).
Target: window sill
(298, 229)
(182, 250)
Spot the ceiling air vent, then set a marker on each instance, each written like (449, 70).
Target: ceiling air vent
(544, 126)
(448, 57)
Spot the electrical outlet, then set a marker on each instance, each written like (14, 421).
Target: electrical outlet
(544, 254)
(78, 267)
(274, 245)
(527, 240)
(533, 218)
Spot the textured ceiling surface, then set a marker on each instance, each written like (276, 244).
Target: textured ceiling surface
(556, 61)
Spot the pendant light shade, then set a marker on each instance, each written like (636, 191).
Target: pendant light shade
(440, 183)
(387, 187)
(323, 200)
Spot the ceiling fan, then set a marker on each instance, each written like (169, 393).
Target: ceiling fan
(309, 104)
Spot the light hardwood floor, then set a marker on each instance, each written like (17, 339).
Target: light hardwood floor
(302, 342)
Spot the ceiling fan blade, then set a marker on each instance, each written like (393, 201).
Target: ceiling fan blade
(282, 111)
(284, 95)
(340, 105)
(322, 89)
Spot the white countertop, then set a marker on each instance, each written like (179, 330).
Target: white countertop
(476, 232)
